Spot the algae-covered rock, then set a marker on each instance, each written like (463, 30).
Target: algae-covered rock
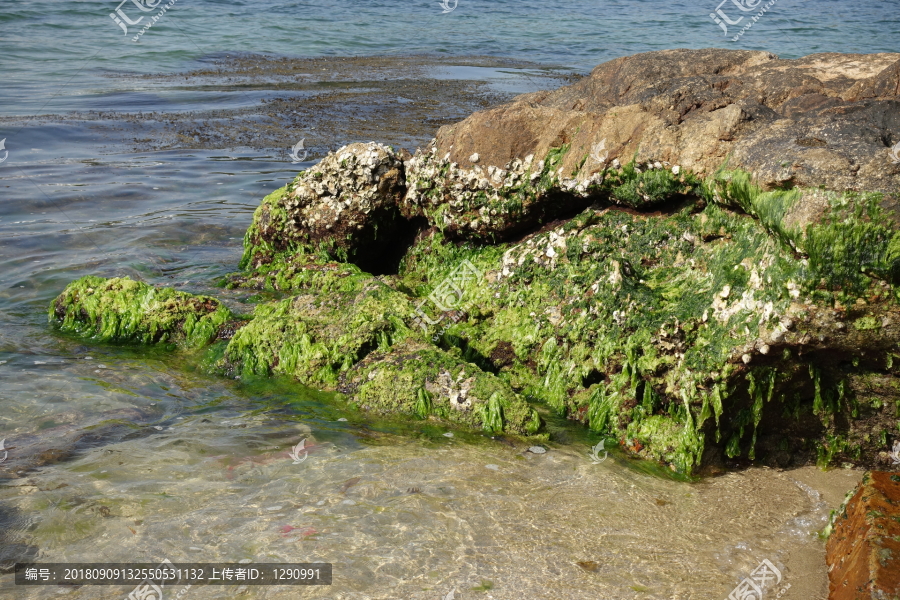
(715, 327)
(346, 205)
(495, 203)
(301, 272)
(418, 379)
(825, 120)
(315, 336)
(124, 310)
(593, 249)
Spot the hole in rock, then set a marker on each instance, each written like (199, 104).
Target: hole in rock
(383, 256)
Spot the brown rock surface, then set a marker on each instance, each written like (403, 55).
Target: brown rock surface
(825, 120)
(863, 551)
(693, 107)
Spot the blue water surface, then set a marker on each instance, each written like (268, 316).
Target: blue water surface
(54, 55)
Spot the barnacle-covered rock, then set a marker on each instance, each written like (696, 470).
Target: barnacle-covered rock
(124, 310)
(415, 378)
(592, 249)
(495, 203)
(346, 205)
(822, 120)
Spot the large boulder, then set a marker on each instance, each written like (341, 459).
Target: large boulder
(825, 120)
(585, 248)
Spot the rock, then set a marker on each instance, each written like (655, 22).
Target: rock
(414, 378)
(496, 203)
(863, 548)
(537, 450)
(124, 310)
(700, 315)
(825, 120)
(346, 205)
(314, 337)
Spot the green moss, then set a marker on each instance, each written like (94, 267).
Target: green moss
(124, 310)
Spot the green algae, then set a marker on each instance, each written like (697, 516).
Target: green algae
(640, 189)
(415, 378)
(300, 272)
(314, 337)
(124, 310)
(267, 235)
(640, 326)
(655, 307)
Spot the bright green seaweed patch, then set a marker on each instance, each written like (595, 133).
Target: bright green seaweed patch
(418, 379)
(314, 337)
(853, 242)
(125, 310)
(640, 189)
(301, 272)
(630, 323)
(260, 240)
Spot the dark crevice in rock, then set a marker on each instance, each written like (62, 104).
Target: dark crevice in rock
(467, 352)
(593, 377)
(385, 255)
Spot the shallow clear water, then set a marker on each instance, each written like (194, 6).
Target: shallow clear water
(125, 454)
(139, 458)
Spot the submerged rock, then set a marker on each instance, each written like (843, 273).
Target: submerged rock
(419, 379)
(123, 310)
(316, 336)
